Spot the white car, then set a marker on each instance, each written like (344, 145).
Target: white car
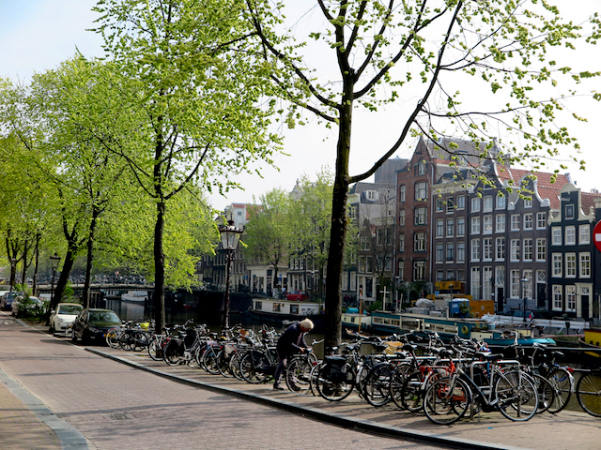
(64, 315)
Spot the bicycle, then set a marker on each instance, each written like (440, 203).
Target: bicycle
(512, 393)
(298, 372)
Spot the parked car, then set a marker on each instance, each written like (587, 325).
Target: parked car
(6, 302)
(92, 324)
(63, 316)
(297, 295)
(33, 306)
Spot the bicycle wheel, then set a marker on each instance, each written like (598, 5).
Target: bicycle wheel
(112, 337)
(126, 341)
(545, 392)
(517, 397)
(140, 340)
(173, 353)
(588, 393)
(397, 380)
(446, 400)
(235, 365)
(376, 388)
(252, 367)
(223, 364)
(155, 348)
(209, 361)
(563, 383)
(298, 375)
(412, 392)
(335, 385)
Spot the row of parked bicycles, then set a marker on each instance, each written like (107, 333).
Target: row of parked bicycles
(415, 371)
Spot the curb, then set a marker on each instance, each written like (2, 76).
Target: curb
(366, 426)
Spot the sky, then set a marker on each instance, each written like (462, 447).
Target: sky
(36, 35)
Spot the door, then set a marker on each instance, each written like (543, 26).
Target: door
(585, 306)
(500, 299)
(541, 296)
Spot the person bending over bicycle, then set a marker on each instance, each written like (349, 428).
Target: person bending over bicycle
(291, 341)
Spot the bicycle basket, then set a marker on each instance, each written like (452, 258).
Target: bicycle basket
(335, 369)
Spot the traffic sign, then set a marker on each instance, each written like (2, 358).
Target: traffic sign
(597, 235)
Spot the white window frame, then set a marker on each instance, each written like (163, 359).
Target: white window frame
(487, 224)
(556, 236)
(515, 222)
(487, 204)
(460, 202)
(541, 220)
(528, 221)
(475, 283)
(439, 252)
(450, 227)
(475, 250)
(557, 298)
(527, 203)
(571, 298)
(585, 264)
(541, 249)
(475, 206)
(571, 265)
(514, 283)
(450, 252)
(460, 251)
(528, 250)
(439, 228)
(401, 243)
(500, 223)
(501, 202)
(556, 265)
(487, 249)
(570, 235)
(500, 249)
(475, 225)
(584, 234)
(460, 226)
(514, 254)
(402, 193)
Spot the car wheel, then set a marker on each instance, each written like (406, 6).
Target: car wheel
(74, 337)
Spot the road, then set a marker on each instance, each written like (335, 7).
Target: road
(118, 407)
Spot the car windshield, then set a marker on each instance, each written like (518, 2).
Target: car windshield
(69, 309)
(104, 316)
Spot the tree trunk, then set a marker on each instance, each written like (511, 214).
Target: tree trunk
(89, 259)
(24, 273)
(159, 268)
(339, 226)
(36, 264)
(63, 279)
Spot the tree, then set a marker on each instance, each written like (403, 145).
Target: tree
(397, 52)
(191, 97)
(269, 230)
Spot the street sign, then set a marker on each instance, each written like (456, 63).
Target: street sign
(597, 235)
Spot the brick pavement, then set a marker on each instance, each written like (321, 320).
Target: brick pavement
(115, 406)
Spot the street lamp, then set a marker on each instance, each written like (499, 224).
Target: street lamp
(54, 262)
(230, 235)
(524, 284)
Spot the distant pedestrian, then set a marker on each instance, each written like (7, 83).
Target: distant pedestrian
(291, 341)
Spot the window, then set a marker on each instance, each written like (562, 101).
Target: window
(557, 299)
(569, 212)
(528, 250)
(460, 202)
(475, 250)
(556, 235)
(450, 227)
(460, 252)
(401, 270)
(528, 202)
(487, 224)
(402, 218)
(570, 265)
(419, 242)
(499, 276)
(515, 222)
(557, 267)
(450, 204)
(439, 228)
(528, 221)
(421, 167)
(420, 216)
(515, 250)
(450, 274)
(585, 265)
(487, 249)
(440, 275)
(475, 283)
(571, 298)
(402, 193)
(527, 286)
(439, 204)
(353, 212)
(460, 275)
(460, 226)
(514, 283)
(419, 270)
(450, 252)
(500, 223)
(440, 252)
(475, 204)
(365, 243)
(501, 202)
(541, 220)
(421, 190)
(500, 249)
(584, 232)
(371, 195)
(475, 225)
(401, 243)
(541, 249)
(487, 203)
(571, 235)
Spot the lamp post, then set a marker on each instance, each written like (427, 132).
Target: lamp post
(54, 262)
(524, 284)
(230, 235)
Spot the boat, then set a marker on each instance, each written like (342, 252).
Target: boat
(270, 310)
(592, 341)
(355, 321)
(449, 327)
(134, 296)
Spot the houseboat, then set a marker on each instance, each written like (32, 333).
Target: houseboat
(352, 320)
(592, 341)
(276, 311)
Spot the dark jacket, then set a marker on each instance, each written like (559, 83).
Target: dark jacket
(291, 341)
